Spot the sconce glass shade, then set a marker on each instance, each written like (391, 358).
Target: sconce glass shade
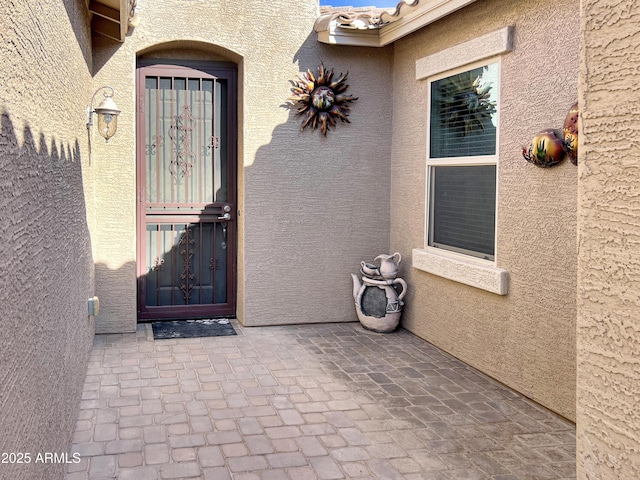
(107, 113)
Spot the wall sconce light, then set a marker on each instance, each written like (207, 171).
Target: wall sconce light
(107, 113)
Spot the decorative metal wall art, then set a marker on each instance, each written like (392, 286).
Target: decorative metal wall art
(321, 98)
(570, 131)
(546, 149)
(550, 146)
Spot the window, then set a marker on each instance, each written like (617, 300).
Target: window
(461, 161)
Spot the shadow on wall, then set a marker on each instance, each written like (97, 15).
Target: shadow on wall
(78, 14)
(47, 277)
(103, 49)
(316, 205)
(189, 267)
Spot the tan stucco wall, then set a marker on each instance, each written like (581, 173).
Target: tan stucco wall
(608, 425)
(525, 339)
(311, 208)
(46, 267)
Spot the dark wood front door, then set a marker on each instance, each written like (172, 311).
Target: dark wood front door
(186, 154)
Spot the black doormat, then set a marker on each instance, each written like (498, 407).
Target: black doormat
(192, 329)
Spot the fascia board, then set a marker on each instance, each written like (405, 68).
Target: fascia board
(337, 35)
(423, 14)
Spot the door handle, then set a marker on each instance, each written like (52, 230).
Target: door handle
(226, 217)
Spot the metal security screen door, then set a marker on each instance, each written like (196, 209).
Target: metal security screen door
(186, 150)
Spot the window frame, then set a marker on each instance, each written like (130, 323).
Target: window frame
(461, 161)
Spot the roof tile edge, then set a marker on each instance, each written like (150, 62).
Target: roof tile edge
(377, 28)
(362, 18)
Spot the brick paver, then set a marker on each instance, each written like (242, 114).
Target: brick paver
(306, 402)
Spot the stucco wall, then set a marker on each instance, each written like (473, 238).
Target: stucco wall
(310, 207)
(46, 265)
(525, 339)
(608, 425)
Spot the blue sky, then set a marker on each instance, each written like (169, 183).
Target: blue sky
(360, 3)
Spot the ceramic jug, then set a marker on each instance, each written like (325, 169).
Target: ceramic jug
(389, 265)
(378, 303)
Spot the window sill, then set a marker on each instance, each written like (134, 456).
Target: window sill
(459, 269)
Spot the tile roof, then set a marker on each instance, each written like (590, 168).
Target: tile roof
(363, 17)
(377, 27)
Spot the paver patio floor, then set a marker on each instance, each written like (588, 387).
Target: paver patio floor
(306, 402)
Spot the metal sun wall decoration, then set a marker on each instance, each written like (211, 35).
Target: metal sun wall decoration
(321, 98)
(549, 147)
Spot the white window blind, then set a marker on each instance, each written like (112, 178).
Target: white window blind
(464, 114)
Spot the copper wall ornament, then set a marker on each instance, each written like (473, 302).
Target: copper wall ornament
(550, 146)
(570, 131)
(321, 98)
(546, 149)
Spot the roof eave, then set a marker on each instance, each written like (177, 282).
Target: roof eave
(336, 35)
(405, 20)
(111, 18)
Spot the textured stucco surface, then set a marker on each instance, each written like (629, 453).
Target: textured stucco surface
(311, 208)
(525, 339)
(46, 266)
(608, 424)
